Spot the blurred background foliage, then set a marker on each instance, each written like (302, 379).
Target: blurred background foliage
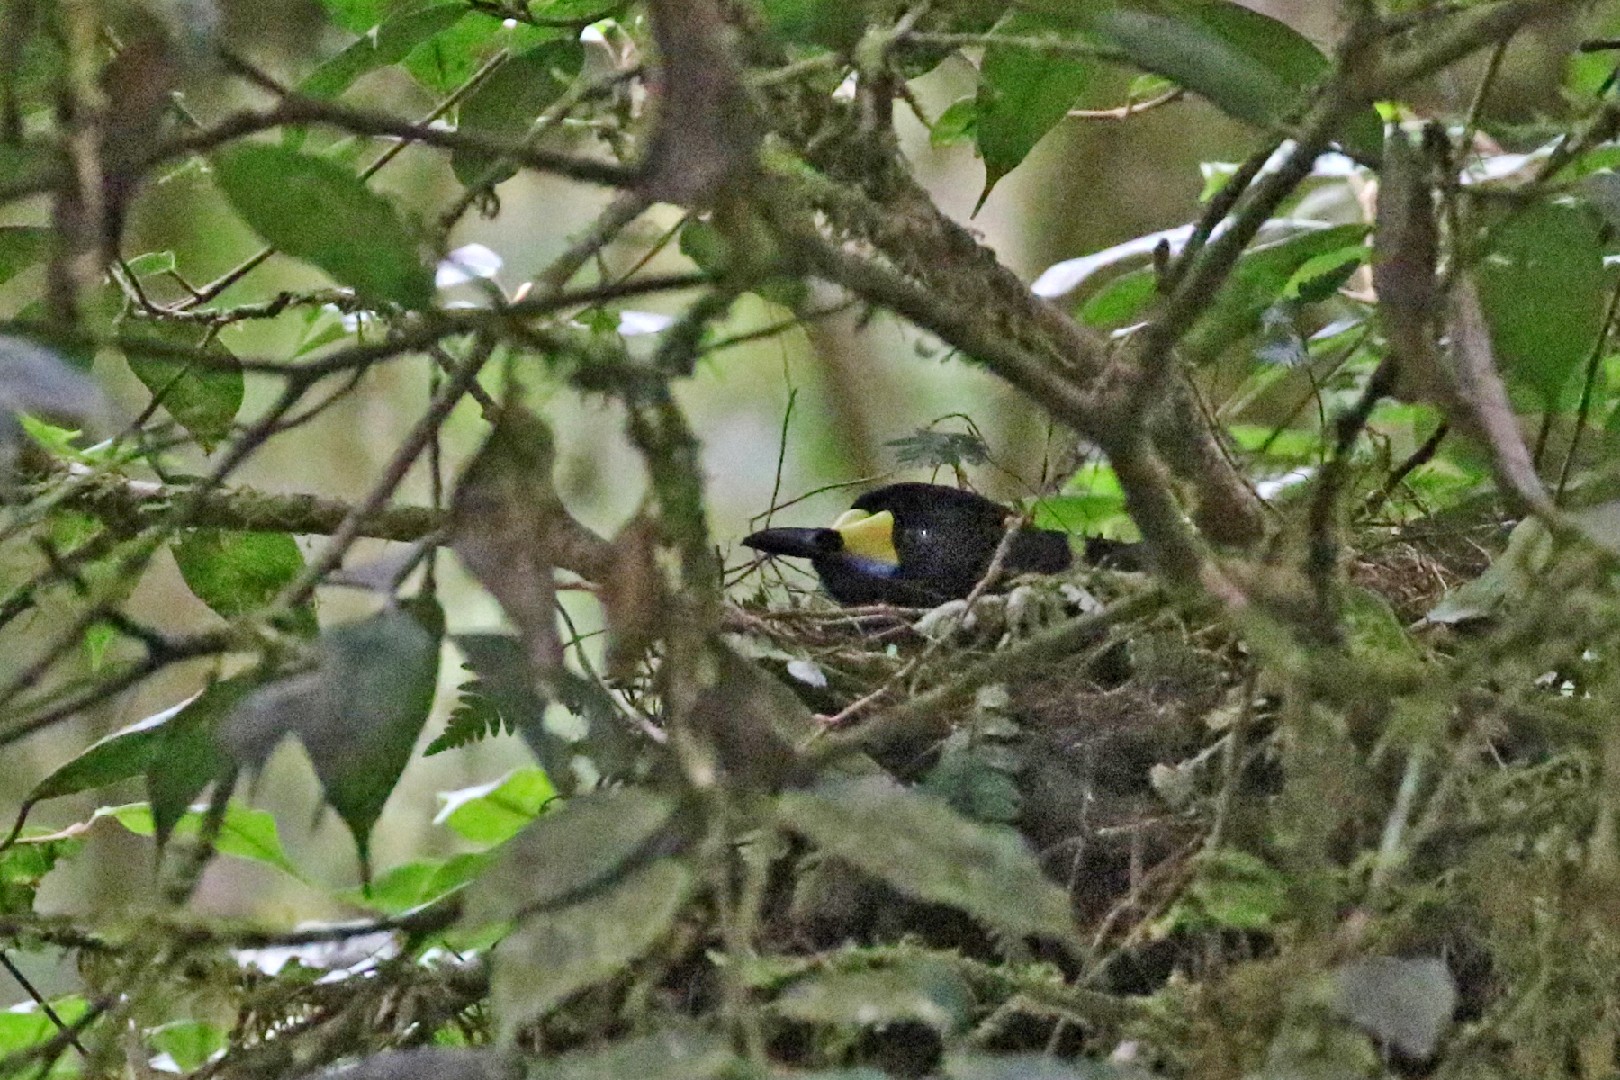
(857, 384)
(1076, 186)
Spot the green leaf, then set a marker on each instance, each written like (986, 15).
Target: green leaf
(380, 45)
(191, 1043)
(188, 757)
(411, 885)
(294, 201)
(958, 123)
(121, 756)
(358, 713)
(1122, 301)
(22, 246)
(493, 813)
(153, 262)
(1321, 276)
(203, 397)
(920, 846)
(833, 25)
(236, 573)
(245, 833)
(978, 781)
(922, 992)
(34, 162)
(1248, 65)
(449, 58)
(28, 1026)
(508, 102)
(1233, 890)
(98, 637)
(1256, 283)
(589, 840)
(558, 953)
(23, 867)
(1541, 284)
(1023, 93)
(356, 16)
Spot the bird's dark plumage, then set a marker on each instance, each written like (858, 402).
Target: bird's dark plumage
(915, 544)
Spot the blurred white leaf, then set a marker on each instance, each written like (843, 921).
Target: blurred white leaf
(467, 263)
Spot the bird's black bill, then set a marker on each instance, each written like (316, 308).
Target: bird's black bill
(796, 543)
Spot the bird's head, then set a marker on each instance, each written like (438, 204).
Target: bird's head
(857, 534)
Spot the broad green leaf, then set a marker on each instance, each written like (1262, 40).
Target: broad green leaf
(958, 123)
(509, 100)
(24, 864)
(411, 885)
(1541, 284)
(1298, 264)
(153, 262)
(358, 713)
(977, 779)
(123, 755)
(922, 992)
(493, 813)
(1321, 276)
(1023, 93)
(33, 161)
(1258, 281)
(587, 841)
(1232, 890)
(560, 952)
(28, 1025)
(191, 1043)
(1122, 301)
(298, 203)
(832, 25)
(1098, 513)
(188, 757)
(920, 846)
(1248, 65)
(203, 397)
(357, 16)
(380, 45)
(449, 58)
(235, 573)
(22, 246)
(245, 833)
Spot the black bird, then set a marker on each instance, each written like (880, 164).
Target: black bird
(916, 545)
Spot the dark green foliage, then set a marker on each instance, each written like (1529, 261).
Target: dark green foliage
(1320, 782)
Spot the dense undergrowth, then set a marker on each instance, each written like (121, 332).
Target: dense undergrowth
(1325, 785)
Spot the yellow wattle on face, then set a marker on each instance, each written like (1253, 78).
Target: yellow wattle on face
(870, 536)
